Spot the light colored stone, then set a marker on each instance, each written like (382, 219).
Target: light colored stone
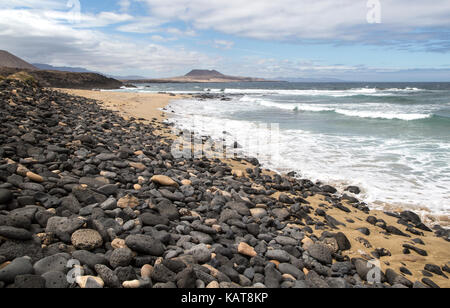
(246, 250)
(137, 187)
(86, 239)
(238, 173)
(82, 281)
(213, 271)
(217, 228)
(138, 166)
(307, 242)
(210, 222)
(258, 212)
(35, 177)
(132, 284)
(141, 180)
(213, 285)
(275, 262)
(128, 201)
(186, 182)
(289, 277)
(146, 271)
(164, 180)
(137, 153)
(22, 170)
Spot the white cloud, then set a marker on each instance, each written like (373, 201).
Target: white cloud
(223, 44)
(38, 38)
(304, 19)
(124, 5)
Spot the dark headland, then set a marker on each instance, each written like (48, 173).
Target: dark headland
(11, 65)
(199, 76)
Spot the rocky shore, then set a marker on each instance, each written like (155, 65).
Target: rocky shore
(91, 200)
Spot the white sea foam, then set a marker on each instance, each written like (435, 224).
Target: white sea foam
(390, 171)
(377, 111)
(313, 92)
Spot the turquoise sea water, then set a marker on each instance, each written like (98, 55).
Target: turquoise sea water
(391, 139)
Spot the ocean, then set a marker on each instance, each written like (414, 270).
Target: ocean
(390, 139)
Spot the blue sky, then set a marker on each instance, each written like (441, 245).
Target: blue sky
(367, 40)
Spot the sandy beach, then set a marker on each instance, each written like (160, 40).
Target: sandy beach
(138, 105)
(147, 106)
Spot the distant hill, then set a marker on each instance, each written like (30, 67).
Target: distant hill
(9, 60)
(199, 76)
(205, 73)
(48, 67)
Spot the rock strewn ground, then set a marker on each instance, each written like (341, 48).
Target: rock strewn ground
(87, 194)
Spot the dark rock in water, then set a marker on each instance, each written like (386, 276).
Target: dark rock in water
(430, 283)
(162, 274)
(353, 189)
(5, 196)
(411, 216)
(19, 266)
(29, 282)
(321, 253)
(145, 244)
(342, 241)
(108, 276)
(15, 233)
(418, 250)
(328, 189)
(55, 280)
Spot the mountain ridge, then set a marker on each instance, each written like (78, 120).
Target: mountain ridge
(7, 59)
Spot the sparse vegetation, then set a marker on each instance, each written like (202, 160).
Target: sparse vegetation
(23, 76)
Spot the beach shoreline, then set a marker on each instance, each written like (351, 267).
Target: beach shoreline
(343, 212)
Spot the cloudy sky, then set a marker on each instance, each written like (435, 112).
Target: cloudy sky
(367, 40)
